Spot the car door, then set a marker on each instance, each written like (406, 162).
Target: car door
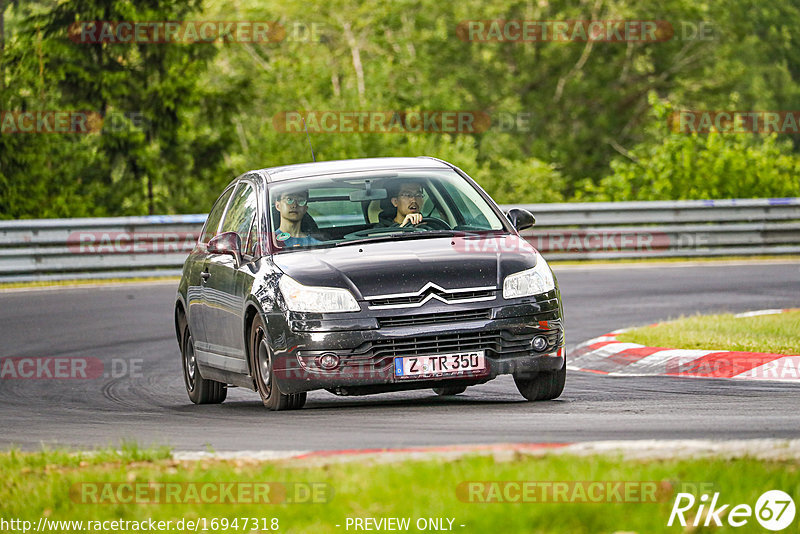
(194, 293)
(223, 290)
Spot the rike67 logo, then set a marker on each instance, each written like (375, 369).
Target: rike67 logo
(774, 510)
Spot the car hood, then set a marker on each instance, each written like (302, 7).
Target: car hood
(389, 267)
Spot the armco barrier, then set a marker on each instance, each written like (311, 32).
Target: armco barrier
(57, 249)
(51, 249)
(684, 228)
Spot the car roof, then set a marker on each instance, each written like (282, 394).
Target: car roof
(304, 170)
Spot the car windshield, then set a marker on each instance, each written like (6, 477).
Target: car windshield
(348, 208)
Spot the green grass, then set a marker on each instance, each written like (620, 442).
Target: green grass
(622, 261)
(37, 484)
(778, 333)
(83, 282)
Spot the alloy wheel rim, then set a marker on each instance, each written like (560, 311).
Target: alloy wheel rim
(190, 363)
(264, 364)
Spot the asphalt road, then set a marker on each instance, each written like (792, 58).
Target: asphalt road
(131, 325)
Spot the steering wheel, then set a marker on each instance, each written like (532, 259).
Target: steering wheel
(434, 223)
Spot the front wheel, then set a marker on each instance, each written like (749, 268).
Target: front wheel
(543, 386)
(447, 391)
(261, 363)
(200, 390)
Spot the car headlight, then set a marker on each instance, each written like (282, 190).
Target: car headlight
(313, 299)
(530, 281)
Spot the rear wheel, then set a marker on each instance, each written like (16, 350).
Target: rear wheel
(261, 362)
(446, 391)
(200, 390)
(543, 386)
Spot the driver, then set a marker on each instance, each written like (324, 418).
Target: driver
(408, 201)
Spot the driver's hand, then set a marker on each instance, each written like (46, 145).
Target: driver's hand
(412, 218)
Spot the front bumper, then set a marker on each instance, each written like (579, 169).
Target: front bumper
(366, 344)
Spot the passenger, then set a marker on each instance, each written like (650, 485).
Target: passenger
(408, 201)
(292, 208)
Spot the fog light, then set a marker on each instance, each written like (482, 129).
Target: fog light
(328, 361)
(539, 343)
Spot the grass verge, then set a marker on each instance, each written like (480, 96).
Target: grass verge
(85, 282)
(776, 333)
(684, 259)
(49, 484)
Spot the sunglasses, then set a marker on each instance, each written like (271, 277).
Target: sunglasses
(291, 201)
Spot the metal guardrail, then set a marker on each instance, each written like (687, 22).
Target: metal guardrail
(684, 228)
(52, 249)
(58, 249)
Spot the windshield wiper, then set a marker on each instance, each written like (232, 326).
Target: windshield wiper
(436, 233)
(378, 237)
(407, 235)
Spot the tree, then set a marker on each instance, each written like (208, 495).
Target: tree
(699, 166)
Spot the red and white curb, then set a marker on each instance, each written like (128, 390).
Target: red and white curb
(605, 355)
(766, 449)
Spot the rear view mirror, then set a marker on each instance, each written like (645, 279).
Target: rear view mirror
(227, 243)
(368, 194)
(520, 218)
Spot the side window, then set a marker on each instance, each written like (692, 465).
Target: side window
(212, 221)
(241, 213)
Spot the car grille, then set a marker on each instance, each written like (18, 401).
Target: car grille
(380, 354)
(434, 318)
(432, 291)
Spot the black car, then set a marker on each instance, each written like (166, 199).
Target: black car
(365, 276)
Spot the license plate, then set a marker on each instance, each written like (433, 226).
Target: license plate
(439, 364)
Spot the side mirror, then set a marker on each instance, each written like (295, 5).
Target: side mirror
(520, 218)
(227, 243)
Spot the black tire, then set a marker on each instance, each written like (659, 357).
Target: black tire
(200, 390)
(264, 375)
(446, 391)
(543, 386)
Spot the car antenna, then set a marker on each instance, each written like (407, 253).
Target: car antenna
(309, 140)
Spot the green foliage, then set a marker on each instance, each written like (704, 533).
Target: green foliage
(190, 117)
(690, 166)
(513, 181)
(163, 135)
